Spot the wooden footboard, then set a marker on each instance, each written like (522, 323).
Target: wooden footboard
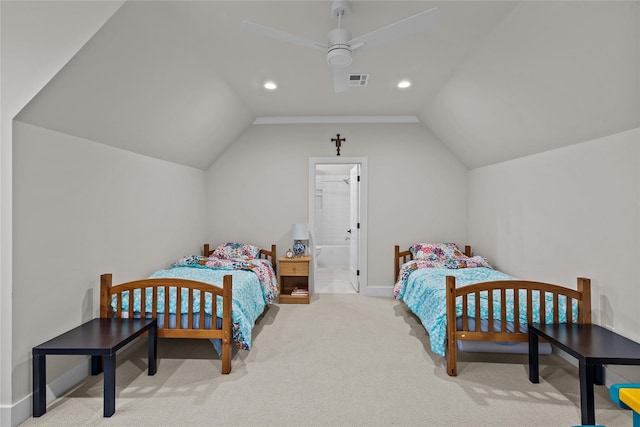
(582, 296)
(108, 292)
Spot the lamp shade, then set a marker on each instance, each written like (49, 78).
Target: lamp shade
(299, 231)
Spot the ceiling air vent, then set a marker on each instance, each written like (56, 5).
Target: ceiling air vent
(358, 79)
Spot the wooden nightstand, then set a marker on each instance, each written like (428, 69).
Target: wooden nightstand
(293, 279)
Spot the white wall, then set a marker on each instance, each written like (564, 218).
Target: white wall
(567, 213)
(81, 209)
(417, 189)
(37, 39)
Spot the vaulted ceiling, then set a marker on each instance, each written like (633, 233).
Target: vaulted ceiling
(493, 80)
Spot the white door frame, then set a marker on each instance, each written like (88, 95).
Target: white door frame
(362, 252)
(354, 226)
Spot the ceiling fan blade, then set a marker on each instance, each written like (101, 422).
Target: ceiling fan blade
(405, 27)
(261, 30)
(341, 79)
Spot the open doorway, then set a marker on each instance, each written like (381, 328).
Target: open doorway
(337, 220)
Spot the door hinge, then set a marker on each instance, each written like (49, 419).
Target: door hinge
(358, 178)
(358, 227)
(357, 272)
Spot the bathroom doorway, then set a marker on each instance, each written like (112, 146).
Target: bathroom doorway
(337, 222)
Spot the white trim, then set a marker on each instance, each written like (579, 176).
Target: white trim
(379, 291)
(20, 411)
(5, 416)
(17, 413)
(610, 377)
(364, 178)
(289, 120)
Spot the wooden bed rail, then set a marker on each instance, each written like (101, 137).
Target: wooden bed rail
(110, 293)
(582, 297)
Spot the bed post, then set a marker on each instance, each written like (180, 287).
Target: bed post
(274, 256)
(467, 250)
(584, 304)
(226, 324)
(452, 368)
(105, 295)
(396, 260)
(205, 251)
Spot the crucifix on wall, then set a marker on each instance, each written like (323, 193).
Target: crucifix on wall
(338, 142)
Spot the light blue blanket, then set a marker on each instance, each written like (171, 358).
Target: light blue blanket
(425, 294)
(248, 298)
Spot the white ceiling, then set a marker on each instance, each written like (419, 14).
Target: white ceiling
(494, 80)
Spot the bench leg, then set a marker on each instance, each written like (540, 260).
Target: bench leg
(39, 385)
(598, 375)
(534, 359)
(109, 384)
(96, 365)
(587, 410)
(152, 351)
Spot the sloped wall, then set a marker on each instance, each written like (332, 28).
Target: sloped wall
(551, 74)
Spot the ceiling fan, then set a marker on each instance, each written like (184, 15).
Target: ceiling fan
(340, 45)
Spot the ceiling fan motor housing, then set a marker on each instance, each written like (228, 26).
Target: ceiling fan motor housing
(339, 52)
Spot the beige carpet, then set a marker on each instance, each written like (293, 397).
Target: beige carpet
(343, 360)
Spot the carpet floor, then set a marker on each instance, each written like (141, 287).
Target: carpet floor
(343, 360)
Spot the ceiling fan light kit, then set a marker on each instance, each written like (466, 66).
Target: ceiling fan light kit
(341, 46)
(339, 56)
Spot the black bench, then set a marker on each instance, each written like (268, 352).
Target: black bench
(100, 339)
(593, 346)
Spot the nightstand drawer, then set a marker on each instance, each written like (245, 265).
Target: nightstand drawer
(294, 268)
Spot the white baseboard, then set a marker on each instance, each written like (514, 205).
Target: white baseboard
(19, 412)
(5, 416)
(610, 377)
(378, 291)
(22, 410)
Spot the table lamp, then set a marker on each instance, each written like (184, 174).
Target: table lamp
(299, 233)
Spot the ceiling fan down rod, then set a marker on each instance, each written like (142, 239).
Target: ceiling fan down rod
(340, 8)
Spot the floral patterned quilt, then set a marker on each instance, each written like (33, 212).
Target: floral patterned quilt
(254, 287)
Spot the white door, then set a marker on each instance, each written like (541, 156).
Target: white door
(354, 220)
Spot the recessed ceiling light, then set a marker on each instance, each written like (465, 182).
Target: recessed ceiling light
(270, 85)
(404, 84)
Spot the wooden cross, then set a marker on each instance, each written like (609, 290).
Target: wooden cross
(338, 142)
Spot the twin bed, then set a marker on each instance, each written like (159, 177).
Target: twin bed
(436, 281)
(441, 285)
(222, 294)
